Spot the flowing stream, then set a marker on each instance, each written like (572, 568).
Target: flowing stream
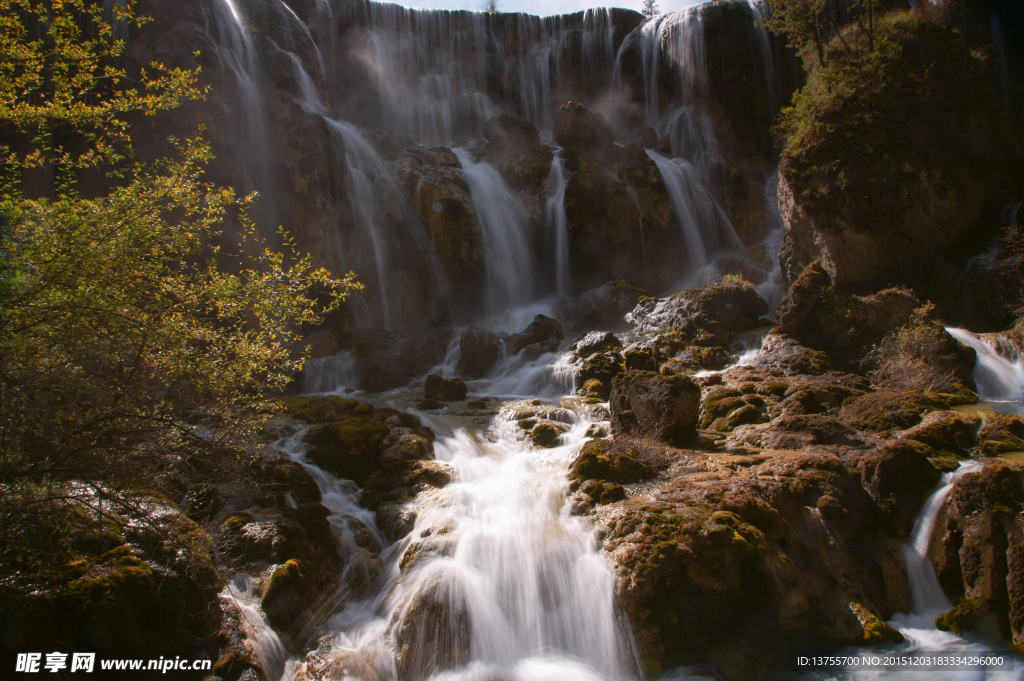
(998, 373)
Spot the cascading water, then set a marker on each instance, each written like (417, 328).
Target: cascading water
(508, 261)
(705, 227)
(432, 67)
(929, 599)
(554, 214)
(998, 375)
(513, 584)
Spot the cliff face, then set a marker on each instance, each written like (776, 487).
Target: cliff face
(412, 84)
(897, 170)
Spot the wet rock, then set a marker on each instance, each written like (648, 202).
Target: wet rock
(785, 354)
(603, 307)
(1001, 434)
(667, 407)
(899, 477)
(433, 629)
(407, 446)
(448, 390)
(596, 341)
(601, 367)
(947, 432)
(395, 520)
(480, 350)
(319, 409)
(621, 460)
(720, 309)
(722, 550)
(582, 132)
(640, 360)
(400, 481)
(285, 597)
(517, 153)
(390, 359)
(546, 434)
(295, 478)
(541, 330)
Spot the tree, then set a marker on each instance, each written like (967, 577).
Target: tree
(490, 6)
(136, 338)
(801, 22)
(650, 9)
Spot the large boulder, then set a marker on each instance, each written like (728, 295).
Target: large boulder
(722, 308)
(604, 307)
(480, 350)
(542, 330)
(517, 153)
(665, 407)
(390, 359)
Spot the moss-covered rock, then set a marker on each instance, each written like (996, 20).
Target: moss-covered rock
(947, 431)
(665, 407)
(623, 460)
(314, 409)
(876, 632)
(962, 618)
(350, 449)
(447, 390)
(884, 411)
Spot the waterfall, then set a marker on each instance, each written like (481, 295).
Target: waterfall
(239, 62)
(554, 213)
(924, 585)
(270, 651)
(705, 227)
(508, 261)
(999, 378)
(774, 286)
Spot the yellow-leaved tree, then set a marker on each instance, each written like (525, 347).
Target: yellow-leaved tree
(132, 347)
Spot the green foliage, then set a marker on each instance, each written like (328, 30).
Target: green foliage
(869, 115)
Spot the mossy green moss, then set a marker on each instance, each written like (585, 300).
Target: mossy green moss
(313, 409)
(964, 617)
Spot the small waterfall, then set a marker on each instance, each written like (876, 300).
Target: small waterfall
(1000, 378)
(554, 213)
(270, 651)
(705, 227)
(507, 257)
(307, 88)
(924, 585)
(330, 375)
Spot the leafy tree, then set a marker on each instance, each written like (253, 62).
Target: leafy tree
(650, 9)
(136, 338)
(801, 22)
